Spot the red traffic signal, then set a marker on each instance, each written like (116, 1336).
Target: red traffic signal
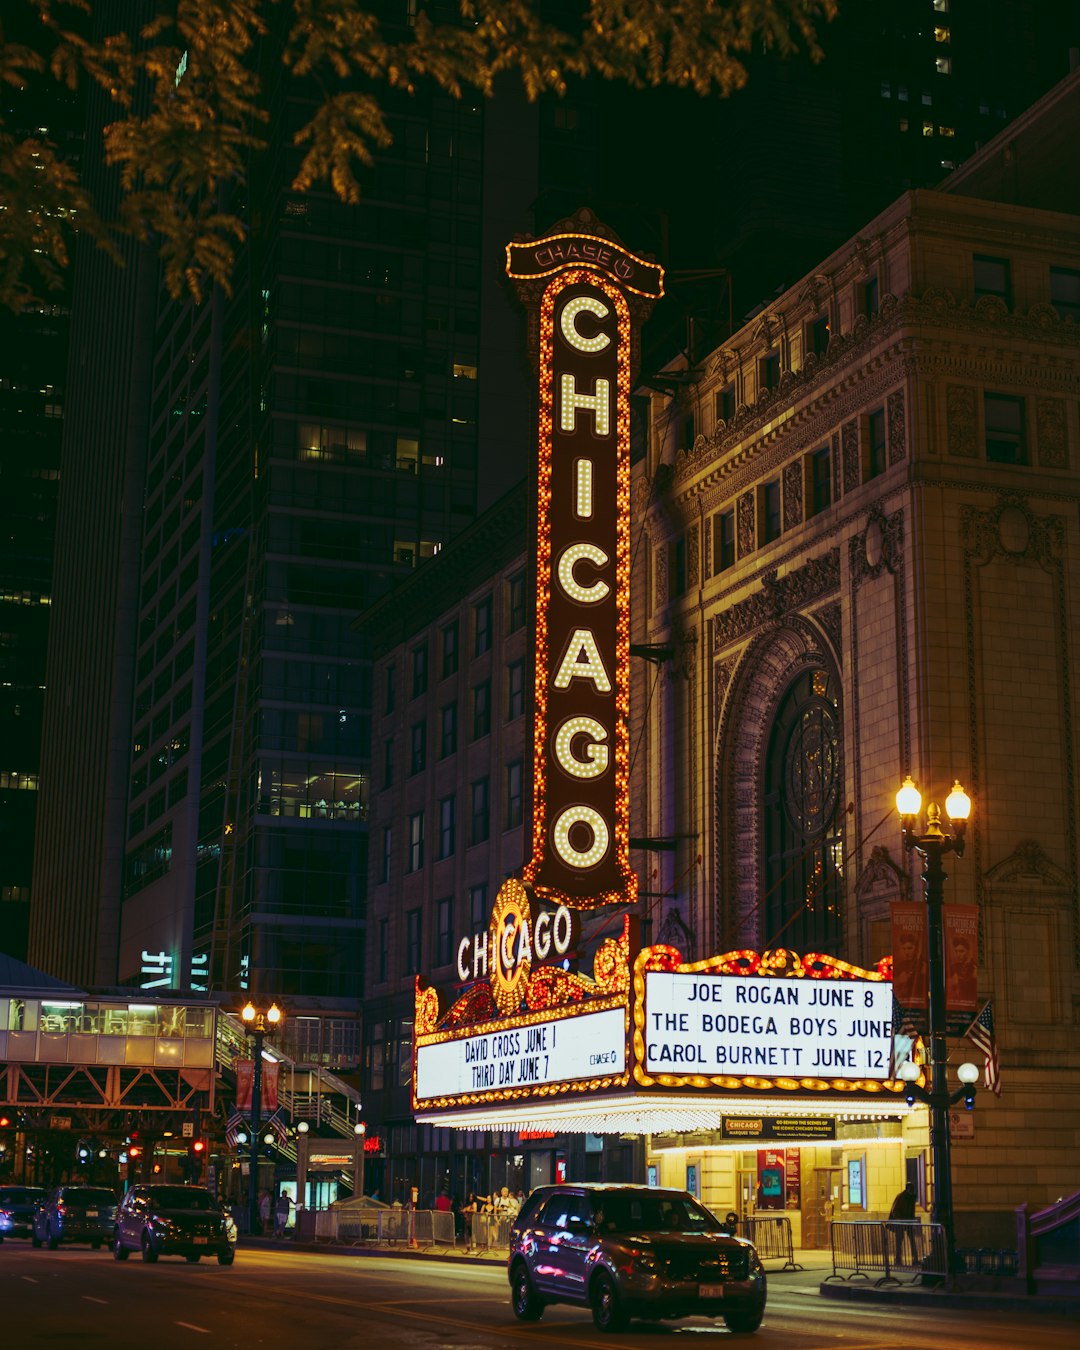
(134, 1151)
(199, 1146)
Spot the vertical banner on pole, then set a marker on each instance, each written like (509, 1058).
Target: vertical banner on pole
(245, 1076)
(961, 925)
(911, 969)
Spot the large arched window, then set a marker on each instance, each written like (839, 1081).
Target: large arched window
(803, 819)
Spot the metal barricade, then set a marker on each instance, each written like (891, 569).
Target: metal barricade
(772, 1238)
(443, 1233)
(326, 1225)
(487, 1231)
(893, 1250)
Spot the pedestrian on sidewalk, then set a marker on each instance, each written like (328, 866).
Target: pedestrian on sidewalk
(281, 1214)
(264, 1212)
(900, 1224)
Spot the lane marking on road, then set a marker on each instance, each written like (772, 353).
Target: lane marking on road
(89, 1298)
(190, 1326)
(30, 1279)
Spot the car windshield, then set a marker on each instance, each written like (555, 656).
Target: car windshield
(180, 1197)
(635, 1212)
(85, 1195)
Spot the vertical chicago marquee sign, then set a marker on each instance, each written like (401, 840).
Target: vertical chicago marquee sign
(586, 297)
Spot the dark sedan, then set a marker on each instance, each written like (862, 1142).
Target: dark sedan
(75, 1214)
(166, 1220)
(631, 1251)
(18, 1205)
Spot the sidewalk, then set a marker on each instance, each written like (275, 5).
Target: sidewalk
(817, 1267)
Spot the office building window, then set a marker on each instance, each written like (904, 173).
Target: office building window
(686, 432)
(387, 853)
(769, 511)
(724, 404)
(480, 819)
(447, 826)
(514, 794)
(481, 710)
(482, 627)
(419, 670)
(819, 480)
(1004, 419)
(390, 688)
(388, 762)
(384, 948)
(515, 690)
(515, 608)
(1065, 292)
(444, 930)
(416, 841)
(769, 371)
(817, 335)
(991, 277)
(723, 541)
(478, 906)
(447, 730)
(869, 294)
(874, 449)
(418, 747)
(413, 932)
(450, 649)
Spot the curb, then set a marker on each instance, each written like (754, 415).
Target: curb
(932, 1298)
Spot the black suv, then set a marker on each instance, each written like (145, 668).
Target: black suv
(173, 1221)
(631, 1251)
(75, 1214)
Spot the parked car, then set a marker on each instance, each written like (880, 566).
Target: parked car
(75, 1214)
(631, 1251)
(17, 1206)
(166, 1220)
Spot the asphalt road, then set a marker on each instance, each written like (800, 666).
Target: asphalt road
(293, 1300)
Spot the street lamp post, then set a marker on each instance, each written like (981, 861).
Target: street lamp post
(257, 1021)
(932, 845)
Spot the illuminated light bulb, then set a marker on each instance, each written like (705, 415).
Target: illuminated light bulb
(583, 481)
(592, 668)
(585, 595)
(598, 403)
(568, 324)
(957, 803)
(597, 759)
(909, 798)
(580, 815)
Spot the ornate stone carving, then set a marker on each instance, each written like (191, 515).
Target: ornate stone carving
(778, 598)
(829, 617)
(897, 430)
(793, 494)
(744, 524)
(881, 878)
(1013, 531)
(693, 556)
(660, 592)
(878, 547)
(1029, 863)
(1050, 433)
(961, 428)
(849, 440)
(673, 932)
(722, 673)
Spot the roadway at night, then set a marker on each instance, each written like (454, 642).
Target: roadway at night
(293, 1300)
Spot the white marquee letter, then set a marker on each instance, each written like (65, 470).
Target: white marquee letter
(592, 668)
(570, 557)
(570, 400)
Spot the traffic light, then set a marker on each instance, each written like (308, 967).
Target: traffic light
(83, 1153)
(196, 1157)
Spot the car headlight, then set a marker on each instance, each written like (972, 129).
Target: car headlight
(644, 1263)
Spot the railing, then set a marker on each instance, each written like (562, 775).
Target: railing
(1048, 1247)
(356, 1224)
(892, 1250)
(772, 1238)
(485, 1231)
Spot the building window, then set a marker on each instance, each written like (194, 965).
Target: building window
(874, 451)
(450, 649)
(768, 369)
(943, 65)
(991, 277)
(419, 670)
(802, 817)
(769, 511)
(444, 930)
(478, 905)
(481, 721)
(869, 297)
(387, 853)
(384, 948)
(390, 687)
(1004, 418)
(819, 480)
(817, 335)
(723, 541)
(413, 932)
(482, 627)
(686, 432)
(416, 841)
(514, 791)
(724, 404)
(480, 819)
(418, 747)
(942, 34)
(376, 1057)
(447, 826)
(447, 730)
(515, 690)
(1065, 292)
(388, 762)
(515, 617)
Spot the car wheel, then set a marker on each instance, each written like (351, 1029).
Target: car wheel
(50, 1241)
(226, 1258)
(608, 1313)
(119, 1251)
(523, 1298)
(743, 1323)
(148, 1253)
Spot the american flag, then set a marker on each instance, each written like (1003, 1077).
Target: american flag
(905, 1034)
(981, 1036)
